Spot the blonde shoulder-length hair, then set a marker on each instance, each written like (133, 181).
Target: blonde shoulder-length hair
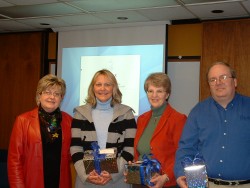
(116, 95)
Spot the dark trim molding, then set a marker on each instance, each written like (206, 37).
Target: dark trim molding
(183, 58)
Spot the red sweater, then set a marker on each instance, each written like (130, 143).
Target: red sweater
(25, 157)
(164, 141)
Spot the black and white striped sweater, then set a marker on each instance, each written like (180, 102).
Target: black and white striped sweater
(121, 133)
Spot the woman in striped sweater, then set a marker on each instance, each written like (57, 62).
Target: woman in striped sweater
(103, 119)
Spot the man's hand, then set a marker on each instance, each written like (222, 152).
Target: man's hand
(159, 180)
(181, 181)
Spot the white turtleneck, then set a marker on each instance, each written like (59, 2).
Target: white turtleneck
(102, 117)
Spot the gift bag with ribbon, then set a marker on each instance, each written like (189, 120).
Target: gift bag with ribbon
(195, 172)
(141, 172)
(100, 159)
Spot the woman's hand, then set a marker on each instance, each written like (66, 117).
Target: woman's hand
(181, 181)
(106, 177)
(97, 179)
(125, 173)
(159, 180)
(94, 178)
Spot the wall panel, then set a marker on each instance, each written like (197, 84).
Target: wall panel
(20, 69)
(227, 41)
(185, 40)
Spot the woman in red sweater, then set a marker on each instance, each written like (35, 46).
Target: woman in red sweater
(159, 129)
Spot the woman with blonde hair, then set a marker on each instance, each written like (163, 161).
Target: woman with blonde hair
(103, 119)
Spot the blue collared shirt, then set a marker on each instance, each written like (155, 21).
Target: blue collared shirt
(221, 136)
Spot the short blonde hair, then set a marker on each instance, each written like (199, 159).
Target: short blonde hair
(158, 79)
(49, 81)
(116, 96)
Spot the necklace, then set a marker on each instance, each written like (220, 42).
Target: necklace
(156, 119)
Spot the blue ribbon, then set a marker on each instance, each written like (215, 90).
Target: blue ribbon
(187, 161)
(97, 157)
(152, 165)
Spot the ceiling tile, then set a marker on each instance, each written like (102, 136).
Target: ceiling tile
(132, 16)
(38, 10)
(10, 25)
(5, 4)
(86, 19)
(233, 9)
(169, 13)
(2, 17)
(31, 2)
(28, 14)
(107, 5)
(207, 1)
(37, 22)
(247, 5)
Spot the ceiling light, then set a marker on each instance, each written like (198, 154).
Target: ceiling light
(217, 11)
(44, 24)
(122, 18)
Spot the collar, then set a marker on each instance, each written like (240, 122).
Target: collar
(230, 104)
(159, 111)
(103, 105)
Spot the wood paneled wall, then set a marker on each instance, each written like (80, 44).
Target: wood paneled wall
(185, 40)
(20, 70)
(227, 41)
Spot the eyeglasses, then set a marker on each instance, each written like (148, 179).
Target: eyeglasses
(49, 93)
(103, 84)
(222, 79)
(158, 92)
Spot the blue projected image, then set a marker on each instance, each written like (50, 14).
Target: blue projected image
(151, 60)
